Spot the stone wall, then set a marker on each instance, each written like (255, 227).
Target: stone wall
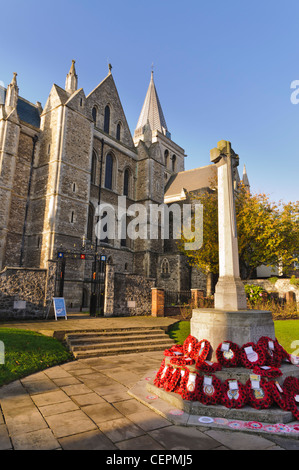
(127, 294)
(281, 287)
(25, 293)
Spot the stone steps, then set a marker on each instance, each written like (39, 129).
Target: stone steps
(99, 343)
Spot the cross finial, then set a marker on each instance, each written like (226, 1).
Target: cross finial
(109, 67)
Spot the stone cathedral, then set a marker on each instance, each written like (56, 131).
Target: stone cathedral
(58, 162)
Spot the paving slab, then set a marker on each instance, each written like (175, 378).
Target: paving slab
(121, 429)
(240, 441)
(140, 443)
(36, 440)
(91, 440)
(101, 412)
(67, 424)
(184, 438)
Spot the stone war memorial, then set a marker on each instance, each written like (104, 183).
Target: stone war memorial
(231, 366)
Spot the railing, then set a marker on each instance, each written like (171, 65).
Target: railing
(175, 298)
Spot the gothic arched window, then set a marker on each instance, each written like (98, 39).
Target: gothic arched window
(107, 120)
(109, 171)
(90, 222)
(165, 266)
(173, 162)
(94, 114)
(166, 154)
(93, 167)
(118, 128)
(126, 182)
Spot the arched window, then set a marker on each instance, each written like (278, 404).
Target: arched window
(90, 220)
(93, 168)
(118, 128)
(94, 114)
(107, 119)
(166, 155)
(109, 172)
(173, 162)
(165, 266)
(126, 182)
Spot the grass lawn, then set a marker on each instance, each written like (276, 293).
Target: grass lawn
(27, 352)
(287, 333)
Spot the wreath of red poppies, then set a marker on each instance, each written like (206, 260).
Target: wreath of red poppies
(187, 393)
(190, 346)
(210, 394)
(291, 389)
(270, 373)
(234, 352)
(173, 379)
(162, 375)
(279, 397)
(274, 355)
(182, 361)
(262, 398)
(261, 356)
(177, 349)
(206, 366)
(183, 381)
(234, 398)
(202, 350)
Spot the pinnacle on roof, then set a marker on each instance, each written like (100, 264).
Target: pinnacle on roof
(71, 83)
(151, 112)
(245, 179)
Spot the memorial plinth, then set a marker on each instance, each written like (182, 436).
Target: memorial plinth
(230, 320)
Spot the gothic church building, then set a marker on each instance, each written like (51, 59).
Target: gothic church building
(58, 162)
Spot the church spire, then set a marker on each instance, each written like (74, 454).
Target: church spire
(12, 94)
(151, 114)
(245, 179)
(71, 83)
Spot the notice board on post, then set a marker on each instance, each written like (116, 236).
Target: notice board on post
(59, 307)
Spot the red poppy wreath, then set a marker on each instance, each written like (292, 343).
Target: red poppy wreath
(252, 355)
(234, 394)
(182, 361)
(183, 381)
(291, 389)
(190, 346)
(202, 350)
(175, 350)
(228, 354)
(278, 395)
(273, 350)
(259, 393)
(191, 385)
(173, 379)
(267, 371)
(207, 366)
(162, 375)
(210, 390)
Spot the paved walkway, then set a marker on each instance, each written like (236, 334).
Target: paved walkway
(85, 405)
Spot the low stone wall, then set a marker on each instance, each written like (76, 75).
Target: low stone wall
(25, 293)
(281, 287)
(127, 294)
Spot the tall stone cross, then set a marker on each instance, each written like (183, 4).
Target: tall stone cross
(229, 291)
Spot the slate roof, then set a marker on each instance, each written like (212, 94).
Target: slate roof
(152, 111)
(27, 112)
(190, 180)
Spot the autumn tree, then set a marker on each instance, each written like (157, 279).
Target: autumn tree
(268, 233)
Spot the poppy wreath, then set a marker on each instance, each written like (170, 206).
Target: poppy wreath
(183, 381)
(190, 346)
(182, 361)
(256, 399)
(224, 359)
(177, 348)
(210, 394)
(261, 356)
(162, 375)
(202, 350)
(291, 389)
(280, 398)
(172, 379)
(206, 366)
(273, 356)
(191, 385)
(233, 398)
(270, 373)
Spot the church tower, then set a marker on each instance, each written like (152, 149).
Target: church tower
(158, 159)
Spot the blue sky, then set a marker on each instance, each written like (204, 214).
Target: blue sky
(223, 70)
